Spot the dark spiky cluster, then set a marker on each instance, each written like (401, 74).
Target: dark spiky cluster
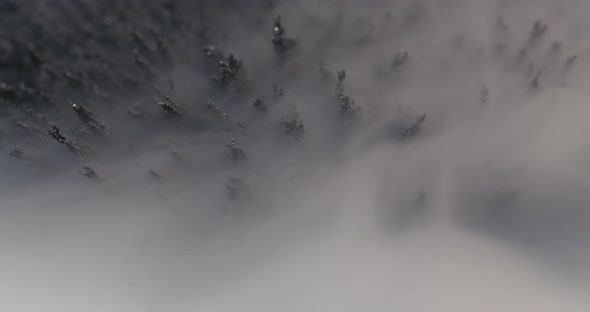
(282, 44)
(136, 54)
(293, 128)
(348, 109)
(414, 128)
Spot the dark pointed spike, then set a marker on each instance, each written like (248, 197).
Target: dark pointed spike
(17, 152)
(571, 60)
(90, 173)
(56, 133)
(260, 106)
(237, 154)
(155, 174)
(414, 128)
(76, 149)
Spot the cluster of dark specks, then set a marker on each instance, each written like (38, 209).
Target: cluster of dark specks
(277, 91)
(30, 130)
(228, 71)
(346, 105)
(88, 172)
(57, 135)
(413, 129)
(136, 112)
(89, 119)
(484, 95)
(538, 31)
(282, 44)
(399, 61)
(293, 127)
(260, 106)
(238, 155)
(18, 152)
(215, 111)
(41, 73)
(169, 107)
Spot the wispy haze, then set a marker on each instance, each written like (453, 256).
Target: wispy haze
(446, 171)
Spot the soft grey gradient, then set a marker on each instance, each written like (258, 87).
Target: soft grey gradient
(333, 224)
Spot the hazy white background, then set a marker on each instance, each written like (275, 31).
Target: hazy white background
(331, 226)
